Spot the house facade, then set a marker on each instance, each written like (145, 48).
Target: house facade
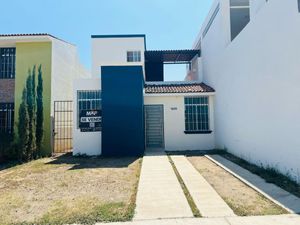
(22, 55)
(139, 110)
(250, 54)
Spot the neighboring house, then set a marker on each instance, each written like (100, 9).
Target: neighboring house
(59, 63)
(250, 54)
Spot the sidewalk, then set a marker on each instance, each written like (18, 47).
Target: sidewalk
(290, 219)
(159, 192)
(207, 200)
(281, 197)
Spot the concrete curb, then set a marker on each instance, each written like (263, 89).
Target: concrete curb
(250, 185)
(287, 219)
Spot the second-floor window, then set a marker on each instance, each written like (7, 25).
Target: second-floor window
(134, 56)
(7, 63)
(239, 16)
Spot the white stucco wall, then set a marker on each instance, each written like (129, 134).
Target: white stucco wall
(174, 124)
(65, 68)
(85, 143)
(255, 6)
(257, 80)
(113, 52)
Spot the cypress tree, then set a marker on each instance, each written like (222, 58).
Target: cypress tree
(23, 128)
(30, 100)
(33, 90)
(39, 111)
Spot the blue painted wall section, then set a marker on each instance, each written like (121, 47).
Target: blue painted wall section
(122, 111)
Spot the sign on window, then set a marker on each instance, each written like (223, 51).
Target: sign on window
(90, 120)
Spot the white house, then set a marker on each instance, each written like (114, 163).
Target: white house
(250, 54)
(138, 109)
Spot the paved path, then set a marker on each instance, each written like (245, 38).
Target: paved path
(255, 220)
(271, 191)
(207, 200)
(159, 192)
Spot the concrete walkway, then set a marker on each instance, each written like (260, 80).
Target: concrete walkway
(255, 220)
(159, 192)
(207, 200)
(271, 191)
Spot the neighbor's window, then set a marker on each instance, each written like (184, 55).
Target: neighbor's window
(196, 114)
(88, 100)
(6, 117)
(134, 56)
(239, 16)
(7, 63)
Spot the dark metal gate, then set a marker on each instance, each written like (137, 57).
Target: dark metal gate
(154, 124)
(63, 126)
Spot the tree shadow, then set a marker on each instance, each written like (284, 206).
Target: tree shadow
(8, 164)
(85, 162)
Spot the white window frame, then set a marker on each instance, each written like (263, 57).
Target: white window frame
(96, 97)
(135, 57)
(193, 126)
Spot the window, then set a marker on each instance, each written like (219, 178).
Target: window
(196, 115)
(211, 20)
(7, 63)
(299, 5)
(133, 56)
(6, 117)
(239, 16)
(88, 100)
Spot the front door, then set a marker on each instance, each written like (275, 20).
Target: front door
(154, 124)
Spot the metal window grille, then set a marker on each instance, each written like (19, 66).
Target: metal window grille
(133, 56)
(196, 113)
(6, 118)
(88, 100)
(7, 63)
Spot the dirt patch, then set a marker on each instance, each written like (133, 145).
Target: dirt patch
(269, 173)
(56, 190)
(243, 200)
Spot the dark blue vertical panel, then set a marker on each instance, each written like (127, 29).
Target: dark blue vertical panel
(122, 110)
(154, 71)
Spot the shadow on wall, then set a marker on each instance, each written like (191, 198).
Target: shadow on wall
(84, 162)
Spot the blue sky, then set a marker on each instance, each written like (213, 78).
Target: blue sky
(168, 24)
